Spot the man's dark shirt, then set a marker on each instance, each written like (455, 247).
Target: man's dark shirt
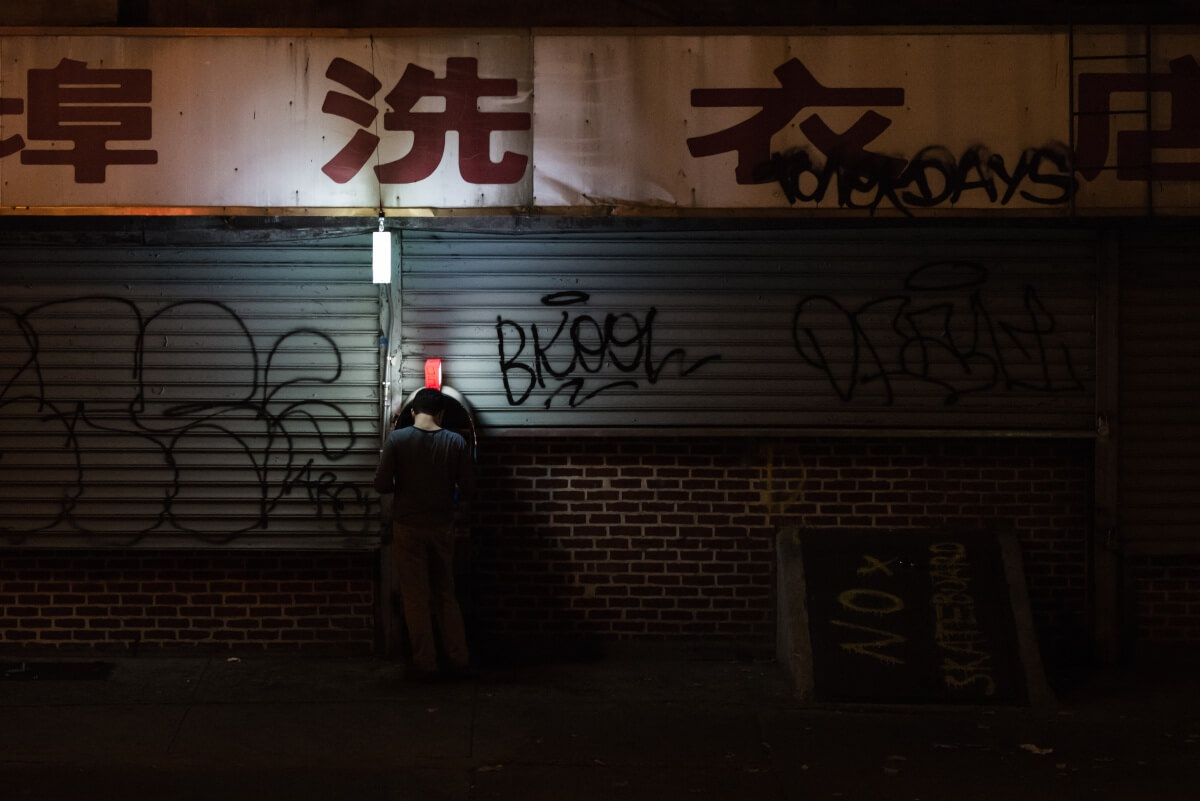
(429, 472)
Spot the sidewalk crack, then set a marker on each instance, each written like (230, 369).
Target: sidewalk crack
(187, 711)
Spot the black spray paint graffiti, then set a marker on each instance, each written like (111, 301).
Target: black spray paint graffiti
(864, 180)
(241, 437)
(585, 344)
(959, 349)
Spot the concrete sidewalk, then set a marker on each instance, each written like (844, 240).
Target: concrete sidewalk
(656, 726)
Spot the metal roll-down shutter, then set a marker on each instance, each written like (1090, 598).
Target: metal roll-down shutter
(189, 395)
(1160, 393)
(733, 330)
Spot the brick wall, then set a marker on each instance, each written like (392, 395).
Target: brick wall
(607, 537)
(673, 538)
(114, 601)
(1166, 600)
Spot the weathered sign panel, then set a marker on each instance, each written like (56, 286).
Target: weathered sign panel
(884, 121)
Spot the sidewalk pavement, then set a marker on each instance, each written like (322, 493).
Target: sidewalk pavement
(661, 725)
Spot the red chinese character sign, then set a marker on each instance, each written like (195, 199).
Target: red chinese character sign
(461, 91)
(89, 108)
(431, 122)
(75, 112)
(285, 123)
(844, 123)
(898, 123)
(1137, 122)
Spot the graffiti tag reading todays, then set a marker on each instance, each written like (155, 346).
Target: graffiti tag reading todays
(860, 178)
(580, 346)
(184, 455)
(959, 346)
(931, 177)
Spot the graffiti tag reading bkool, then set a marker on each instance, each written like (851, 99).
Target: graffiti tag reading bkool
(581, 346)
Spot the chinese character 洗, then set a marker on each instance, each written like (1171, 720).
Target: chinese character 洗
(798, 89)
(1135, 147)
(351, 158)
(89, 107)
(461, 90)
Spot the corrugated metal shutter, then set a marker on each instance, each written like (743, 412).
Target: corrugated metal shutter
(1159, 449)
(729, 331)
(189, 395)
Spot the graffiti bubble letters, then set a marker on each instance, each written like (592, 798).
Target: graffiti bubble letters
(165, 438)
(585, 345)
(960, 349)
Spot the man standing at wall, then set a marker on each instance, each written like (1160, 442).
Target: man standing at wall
(430, 470)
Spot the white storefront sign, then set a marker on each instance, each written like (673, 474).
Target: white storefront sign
(846, 123)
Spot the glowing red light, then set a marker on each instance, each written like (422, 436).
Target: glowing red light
(433, 373)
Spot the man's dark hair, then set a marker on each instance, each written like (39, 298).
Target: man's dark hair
(428, 401)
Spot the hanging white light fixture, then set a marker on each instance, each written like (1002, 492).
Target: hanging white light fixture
(381, 255)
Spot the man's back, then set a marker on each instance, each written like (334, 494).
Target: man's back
(429, 471)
